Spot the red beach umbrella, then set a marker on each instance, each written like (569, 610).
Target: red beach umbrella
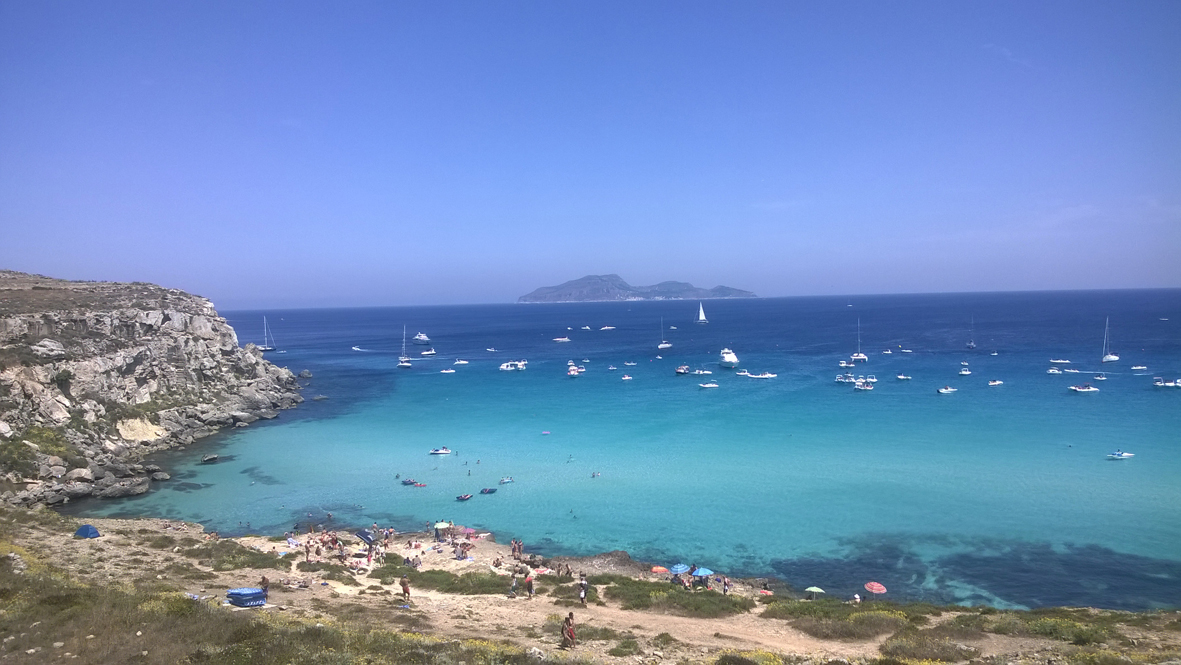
(659, 569)
(875, 588)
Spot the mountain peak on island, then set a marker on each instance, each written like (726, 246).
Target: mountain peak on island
(595, 288)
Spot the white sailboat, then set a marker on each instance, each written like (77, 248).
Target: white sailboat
(664, 343)
(268, 340)
(972, 335)
(1108, 356)
(859, 356)
(404, 360)
(701, 314)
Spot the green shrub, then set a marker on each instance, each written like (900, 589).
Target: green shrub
(664, 640)
(1067, 630)
(857, 626)
(469, 584)
(642, 595)
(50, 442)
(626, 647)
(923, 645)
(229, 555)
(16, 456)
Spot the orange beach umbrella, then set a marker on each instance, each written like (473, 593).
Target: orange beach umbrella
(659, 569)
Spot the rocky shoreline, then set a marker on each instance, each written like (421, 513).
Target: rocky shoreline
(96, 375)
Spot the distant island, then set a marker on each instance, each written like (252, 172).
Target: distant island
(595, 288)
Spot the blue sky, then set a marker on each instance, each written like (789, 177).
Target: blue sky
(318, 154)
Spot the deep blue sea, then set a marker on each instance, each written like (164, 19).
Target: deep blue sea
(1000, 495)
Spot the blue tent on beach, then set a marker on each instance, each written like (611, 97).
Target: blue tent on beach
(365, 535)
(86, 531)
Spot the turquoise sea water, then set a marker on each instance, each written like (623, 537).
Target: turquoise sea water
(992, 494)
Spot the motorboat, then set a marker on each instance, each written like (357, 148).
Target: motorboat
(611, 368)
(569, 363)
(357, 348)
(871, 379)
(447, 371)
(1138, 368)
(428, 352)
(1085, 388)
(699, 372)
(728, 359)
(491, 349)
(208, 459)
(763, 375)
(1070, 371)
(626, 377)
(1059, 361)
(964, 371)
(905, 351)
(946, 390)
(441, 451)
(586, 328)
(683, 369)
(409, 481)
(1053, 370)
(572, 371)
(607, 328)
(1108, 356)
(1161, 383)
(1119, 454)
(964, 363)
(421, 338)
(996, 382)
(514, 365)
(586, 360)
(506, 480)
(700, 314)
(994, 353)
(664, 343)
(903, 377)
(672, 327)
(863, 385)
(1100, 377)
(404, 363)
(846, 378)
(463, 497)
(581, 369)
(742, 372)
(847, 363)
(887, 352)
(459, 362)
(859, 356)
(629, 364)
(488, 490)
(711, 384)
(561, 339)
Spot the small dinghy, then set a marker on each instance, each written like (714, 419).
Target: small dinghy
(1119, 454)
(420, 484)
(209, 459)
(441, 451)
(488, 490)
(506, 480)
(409, 481)
(463, 497)
(996, 382)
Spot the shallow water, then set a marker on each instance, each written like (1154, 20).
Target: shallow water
(993, 494)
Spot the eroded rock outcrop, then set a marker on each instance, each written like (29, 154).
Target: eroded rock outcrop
(94, 375)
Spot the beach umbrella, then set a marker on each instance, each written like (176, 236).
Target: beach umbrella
(874, 588)
(469, 530)
(702, 572)
(679, 568)
(442, 525)
(814, 589)
(659, 569)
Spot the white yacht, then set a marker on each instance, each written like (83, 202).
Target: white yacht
(700, 314)
(404, 360)
(711, 384)
(491, 349)
(763, 375)
(846, 378)
(682, 369)
(459, 362)
(447, 371)
(421, 338)
(625, 377)
(946, 390)
(996, 382)
(1060, 361)
(903, 377)
(561, 339)
(847, 363)
(514, 365)
(1108, 356)
(586, 327)
(1100, 377)
(905, 351)
(629, 364)
(268, 339)
(859, 356)
(700, 372)
(1119, 454)
(1085, 388)
(664, 343)
(1160, 382)
(964, 363)
(572, 371)
(1071, 371)
(887, 352)
(611, 368)
(728, 359)
(1137, 368)
(862, 385)
(964, 371)
(742, 372)
(871, 379)
(1053, 370)
(607, 328)
(428, 352)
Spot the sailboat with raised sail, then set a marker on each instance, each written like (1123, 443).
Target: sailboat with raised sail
(701, 314)
(972, 335)
(268, 339)
(1108, 356)
(664, 343)
(859, 356)
(404, 360)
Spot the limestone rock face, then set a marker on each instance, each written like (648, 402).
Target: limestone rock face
(121, 370)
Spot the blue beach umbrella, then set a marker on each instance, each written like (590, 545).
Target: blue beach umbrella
(702, 572)
(678, 569)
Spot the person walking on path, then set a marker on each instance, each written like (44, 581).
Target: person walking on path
(529, 586)
(583, 585)
(512, 590)
(568, 640)
(405, 588)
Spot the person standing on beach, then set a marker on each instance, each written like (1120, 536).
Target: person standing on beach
(405, 588)
(512, 589)
(529, 586)
(568, 640)
(583, 585)
(725, 585)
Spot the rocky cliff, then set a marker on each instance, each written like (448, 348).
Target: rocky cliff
(94, 375)
(594, 288)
